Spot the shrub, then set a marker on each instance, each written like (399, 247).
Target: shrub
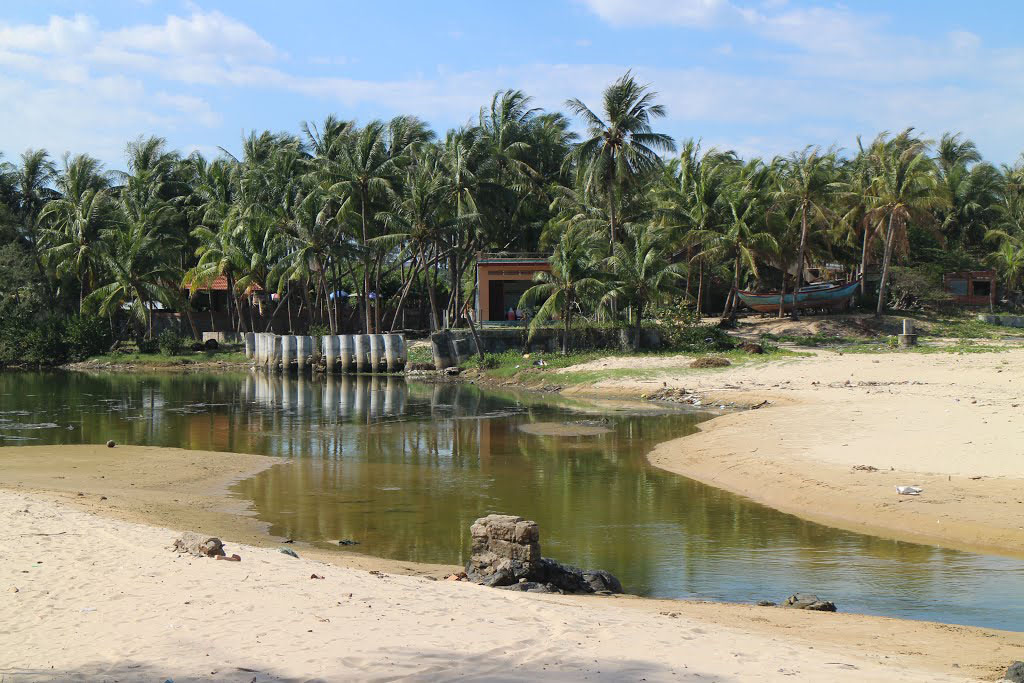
(318, 331)
(695, 338)
(148, 345)
(86, 336)
(170, 342)
(27, 337)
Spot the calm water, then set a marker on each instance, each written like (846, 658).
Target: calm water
(405, 468)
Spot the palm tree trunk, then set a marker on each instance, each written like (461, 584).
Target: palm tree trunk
(782, 296)
(366, 271)
(800, 260)
(730, 304)
(864, 262)
(700, 289)
(565, 325)
(405, 292)
(435, 322)
(885, 267)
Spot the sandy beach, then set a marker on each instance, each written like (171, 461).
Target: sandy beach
(90, 597)
(841, 431)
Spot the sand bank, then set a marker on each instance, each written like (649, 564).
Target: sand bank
(950, 423)
(98, 597)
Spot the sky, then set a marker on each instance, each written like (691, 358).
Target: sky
(761, 77)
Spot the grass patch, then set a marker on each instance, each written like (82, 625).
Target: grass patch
(512, 364)
(809, 340)
(162, 360)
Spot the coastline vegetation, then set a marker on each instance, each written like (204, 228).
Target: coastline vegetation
(349, 225)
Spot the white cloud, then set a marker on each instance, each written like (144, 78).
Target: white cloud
(657, 12)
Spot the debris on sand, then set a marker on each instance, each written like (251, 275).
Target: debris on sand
(710, 362)
(909, 490)
(199, 545)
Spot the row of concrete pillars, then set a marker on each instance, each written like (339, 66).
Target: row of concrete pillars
(369, 353)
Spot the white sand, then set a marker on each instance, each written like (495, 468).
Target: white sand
(104, 599)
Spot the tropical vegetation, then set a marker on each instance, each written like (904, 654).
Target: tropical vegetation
(366, 227)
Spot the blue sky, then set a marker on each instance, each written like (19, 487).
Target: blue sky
(762, 77)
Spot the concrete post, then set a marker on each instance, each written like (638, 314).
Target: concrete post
(249, 340)
(377, 361)
(275, 352)
(362, 352)
(303, 352)
(908, 338)
(346, 353)
(287, 352)
(394, 352)
(331, 344)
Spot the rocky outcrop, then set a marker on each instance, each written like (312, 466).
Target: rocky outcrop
(199, 545)
(1015, 673)
(506, 554)
(809, 602)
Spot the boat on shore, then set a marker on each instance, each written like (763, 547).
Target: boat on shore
(831, 295)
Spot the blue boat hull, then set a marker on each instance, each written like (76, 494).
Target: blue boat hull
(834, 297)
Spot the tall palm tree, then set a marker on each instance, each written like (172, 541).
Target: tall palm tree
(641, 271)
(365, 171)
(904, 190)
(621, 147)
(75, 222)
(742, 238)
(808, 181)
(574, 279)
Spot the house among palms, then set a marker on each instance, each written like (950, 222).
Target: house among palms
(501, 279)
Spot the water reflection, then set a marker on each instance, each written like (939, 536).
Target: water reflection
(404, 468)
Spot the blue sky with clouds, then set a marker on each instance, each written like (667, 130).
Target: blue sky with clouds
(759, 76)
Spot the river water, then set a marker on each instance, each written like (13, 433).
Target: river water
(404, 468)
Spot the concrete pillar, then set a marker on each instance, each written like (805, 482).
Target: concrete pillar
(908, 338)
(249, 339)
(441, 350)
(274, 362)
(331, 344)
(377, 361)
(346, 353)
(287, 352)
(303, 352)
(360, 395)
(394, 352)
(362, 352)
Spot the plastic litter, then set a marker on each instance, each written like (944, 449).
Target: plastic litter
(909, 490)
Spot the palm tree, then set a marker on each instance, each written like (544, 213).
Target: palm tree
(135, 267)
(574, 279)
(808, 181)
(33, 181)
(365, 171)
(641, 272)
(904, 190)
(621, 147)
(741, 238)
(75, 222)
(423, 219)
(1008, 260)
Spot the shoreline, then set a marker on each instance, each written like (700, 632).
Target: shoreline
(101, 597)
(839, 433)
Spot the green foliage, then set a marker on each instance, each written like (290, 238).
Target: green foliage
(87, 336)
(148, 345)
(318, 330)
(171, 343)
(27, 338)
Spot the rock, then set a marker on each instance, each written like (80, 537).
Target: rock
(197, 346)
(211, 345)
(600, 580)
(452, 371)
(711, 362)
(506, 553)
(199, 545)
(751, 347)
(808, 602)
(111, 443)
(1015, 673)
(347, 541)
(530, 587)
(765, 603)
(289, 552)
(233, 558)
(505, 548)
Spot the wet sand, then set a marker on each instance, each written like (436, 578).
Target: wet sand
(89, 596)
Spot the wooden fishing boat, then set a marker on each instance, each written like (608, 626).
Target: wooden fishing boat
(835, 296)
